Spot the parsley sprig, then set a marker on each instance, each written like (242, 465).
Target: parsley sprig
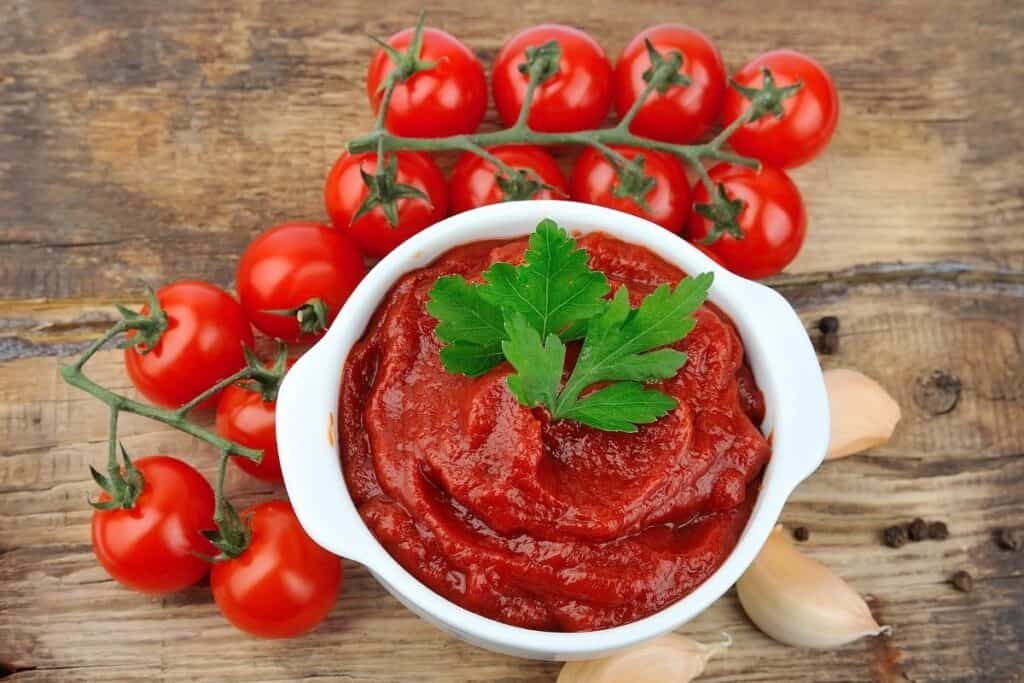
(525, 314)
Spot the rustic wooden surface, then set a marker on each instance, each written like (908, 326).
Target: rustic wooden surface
(153, 139)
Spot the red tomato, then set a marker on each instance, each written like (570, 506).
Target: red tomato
(773, 220)
(809, 119)
(683, 114)
(244, 417)
(448, 99)
(372, 233)
(576, 98)
(202, 344)
(155, 545)
(473, 182)
(283, 584)
(594, 180)
(290, 264)
(707, 252)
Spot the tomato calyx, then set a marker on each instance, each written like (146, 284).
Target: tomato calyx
(632, 182)
(385, 190)
(663, 73)
(542, 61)
(724, 213)
(523, 184)
(122, 484)
(263, 379)
(408, 63)
(769, 97)
(232, 535)
(149, 327)
(312, 316)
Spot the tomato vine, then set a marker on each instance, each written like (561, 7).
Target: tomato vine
(542, 63)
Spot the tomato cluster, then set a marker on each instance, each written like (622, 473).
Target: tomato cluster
(292, 280)
(158, 521)
(441, 91)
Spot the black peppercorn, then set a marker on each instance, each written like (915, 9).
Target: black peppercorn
(938, 531)
(918, 530)
(894, 536)
(801, 533)
(1008, 539)
(829, 343)
(963, 581)
(829, 324)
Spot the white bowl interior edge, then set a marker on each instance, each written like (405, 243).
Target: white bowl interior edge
(777, 346)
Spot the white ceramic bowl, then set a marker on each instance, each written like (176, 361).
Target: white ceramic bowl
(778, 350)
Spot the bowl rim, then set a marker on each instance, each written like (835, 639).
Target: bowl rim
(796, 420)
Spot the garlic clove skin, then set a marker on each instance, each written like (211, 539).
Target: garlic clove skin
(801, 602)
(863, 413)
(669, 659)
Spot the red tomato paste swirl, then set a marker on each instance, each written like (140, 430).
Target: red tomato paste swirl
(553, 526)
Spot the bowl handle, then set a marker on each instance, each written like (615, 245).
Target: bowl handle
(307, 438)
(786, 367)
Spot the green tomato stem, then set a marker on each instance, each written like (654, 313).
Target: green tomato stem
(635, 108)
(244, 373)
(75, 376)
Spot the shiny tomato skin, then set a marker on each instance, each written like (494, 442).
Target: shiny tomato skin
(773, 220)
(289, 264)
(283, 584)
(202, 344)
(576, 98)
(448, 99)
(810, 116)
(244, 417)
(155, 546)
(593, 179)
(683, 114)
(345, 192)
(473, 182)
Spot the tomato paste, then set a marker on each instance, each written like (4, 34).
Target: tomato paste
(547, 525)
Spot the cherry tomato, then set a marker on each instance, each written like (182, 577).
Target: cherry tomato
(291, 264)
(683, 114)
(244, 417)
(448, 99)
(773, 220)
(473, 182)
(156, 545)
(372, 233)
(576, 98)
(809, 116)
(202, 344)
(594, 181)
(283, 584)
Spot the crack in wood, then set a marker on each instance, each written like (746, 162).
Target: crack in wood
(955, 272)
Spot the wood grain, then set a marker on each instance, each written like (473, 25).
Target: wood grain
(144, 139)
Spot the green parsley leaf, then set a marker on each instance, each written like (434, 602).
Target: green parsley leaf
(462, 314)
(472, 360)
(525, 314)
(553, 288)
(538, 365)
(620, 407)
(623, 344)
(472, 327)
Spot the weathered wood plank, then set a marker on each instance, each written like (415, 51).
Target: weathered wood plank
(131, 147)
(965, 466)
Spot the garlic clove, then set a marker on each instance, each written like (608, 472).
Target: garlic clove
(863, 413)
(799, 601)
(668, 659)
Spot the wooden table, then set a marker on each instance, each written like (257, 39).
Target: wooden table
(154, 139)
